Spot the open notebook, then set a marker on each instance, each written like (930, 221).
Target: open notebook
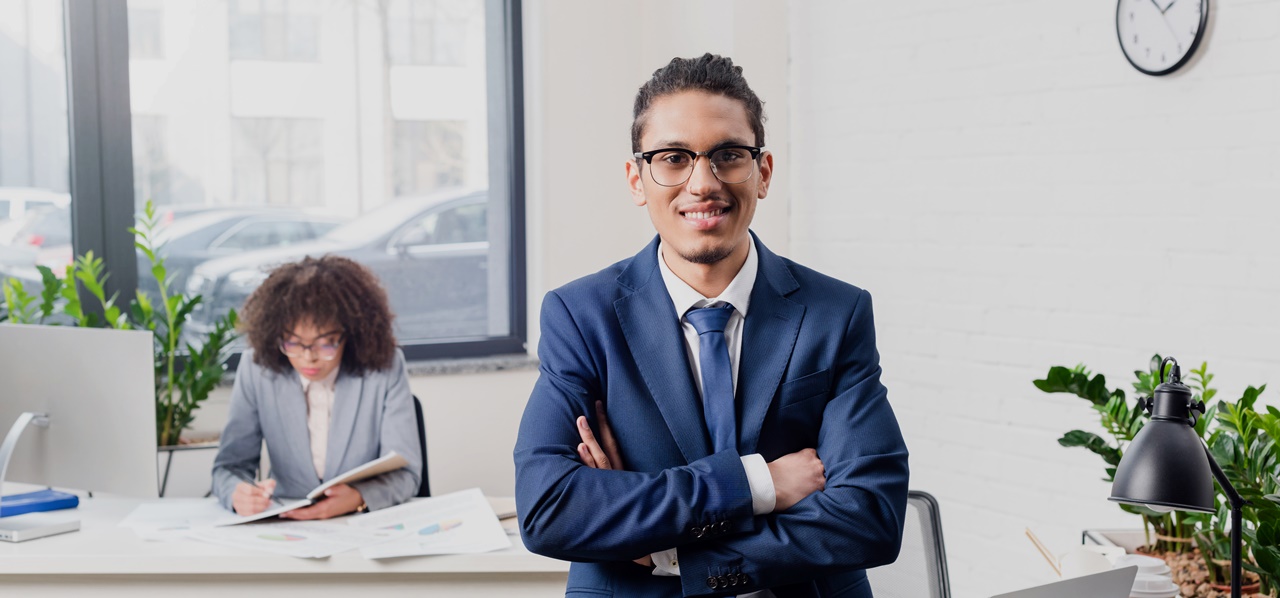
(389, 462)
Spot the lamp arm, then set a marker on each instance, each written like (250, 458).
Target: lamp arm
(1237, 505)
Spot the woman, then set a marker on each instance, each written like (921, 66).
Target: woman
(325, 385)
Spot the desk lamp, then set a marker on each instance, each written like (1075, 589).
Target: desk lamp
(1167, 467)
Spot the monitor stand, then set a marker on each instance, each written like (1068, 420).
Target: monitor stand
(29, 526)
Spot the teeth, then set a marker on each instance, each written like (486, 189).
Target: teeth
(703, 215)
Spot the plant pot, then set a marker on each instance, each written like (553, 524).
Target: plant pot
(1244, 590)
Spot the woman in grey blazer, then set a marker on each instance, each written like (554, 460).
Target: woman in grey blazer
(325, 386)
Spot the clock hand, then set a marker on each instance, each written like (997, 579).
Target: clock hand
(1166, 9)
(1169, 25)
(1157, 5)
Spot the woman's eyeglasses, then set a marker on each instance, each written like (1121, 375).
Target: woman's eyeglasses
(325, 349)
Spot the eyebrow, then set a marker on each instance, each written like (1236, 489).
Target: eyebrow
(664, 144)
(317, 337)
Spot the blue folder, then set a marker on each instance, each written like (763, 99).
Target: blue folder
(40, 500)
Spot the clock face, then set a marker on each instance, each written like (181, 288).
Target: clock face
(1159, 36)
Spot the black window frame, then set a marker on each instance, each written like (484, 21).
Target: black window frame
(101, 150)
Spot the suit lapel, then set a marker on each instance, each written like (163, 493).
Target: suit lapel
(347, 392)
(652, 331)
(769, 336)
(292, 406)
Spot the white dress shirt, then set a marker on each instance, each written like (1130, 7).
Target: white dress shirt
(319, 395)
(737, 294)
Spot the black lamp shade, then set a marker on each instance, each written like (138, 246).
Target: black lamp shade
(1166, 465)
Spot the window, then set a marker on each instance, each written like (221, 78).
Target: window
(430, 32)
(279, 30)
(35, 220)
(339, 128)
(150, 173)
(429, 155)
(146, 33)
(278, 161)
(416, 170)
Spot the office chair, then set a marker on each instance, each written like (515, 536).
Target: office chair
(921, 568)
(425, 488)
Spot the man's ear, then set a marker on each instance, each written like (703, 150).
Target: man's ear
(766, 174)
(635, 182)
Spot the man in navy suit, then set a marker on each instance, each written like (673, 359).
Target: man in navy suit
(750, 449)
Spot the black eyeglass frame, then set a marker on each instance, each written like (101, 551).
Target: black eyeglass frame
(648, 159)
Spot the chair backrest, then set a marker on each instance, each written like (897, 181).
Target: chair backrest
(424, 489)
(921, 568)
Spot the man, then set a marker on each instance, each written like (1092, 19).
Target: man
(750, 448)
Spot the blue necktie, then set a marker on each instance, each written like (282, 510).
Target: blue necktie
(717, 374)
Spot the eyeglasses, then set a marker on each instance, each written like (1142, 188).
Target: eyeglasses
(672, 166)
(325, 349)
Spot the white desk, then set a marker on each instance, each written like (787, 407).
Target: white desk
(103, 559)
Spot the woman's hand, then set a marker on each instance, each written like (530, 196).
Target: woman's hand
(338, 500)
(248, 499)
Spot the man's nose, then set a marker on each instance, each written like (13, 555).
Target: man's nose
(702, 180)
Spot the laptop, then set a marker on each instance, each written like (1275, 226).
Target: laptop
(1115, 583)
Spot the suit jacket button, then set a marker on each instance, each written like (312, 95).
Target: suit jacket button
(707, 529)
(697, 532)
(712, 582)
(724, 527)
(733, 580)
(743, 577)
(724, 583)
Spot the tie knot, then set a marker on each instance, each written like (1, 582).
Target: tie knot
(709, 319)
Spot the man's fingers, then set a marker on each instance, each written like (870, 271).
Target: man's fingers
(607, 438)
(589, 439)
(585, 455)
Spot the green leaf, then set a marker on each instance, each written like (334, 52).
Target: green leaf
(1092, 442)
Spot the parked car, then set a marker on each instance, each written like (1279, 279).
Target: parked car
(431, 253)
(19, 204)
(193, 236)
(193, 239)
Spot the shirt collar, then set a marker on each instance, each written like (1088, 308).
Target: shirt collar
(327, 382)
(737, 294)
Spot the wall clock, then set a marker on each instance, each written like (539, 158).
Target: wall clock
(1159, 36)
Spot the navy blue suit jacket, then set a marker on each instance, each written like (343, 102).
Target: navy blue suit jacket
(809, 377)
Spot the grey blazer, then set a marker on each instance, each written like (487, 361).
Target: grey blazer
(372, 416)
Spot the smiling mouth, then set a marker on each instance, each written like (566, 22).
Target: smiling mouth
(704, 215)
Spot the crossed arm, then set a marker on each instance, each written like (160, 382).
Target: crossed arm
(572, 508)
(795, 476)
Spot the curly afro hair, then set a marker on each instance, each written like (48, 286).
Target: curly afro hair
(331, 291)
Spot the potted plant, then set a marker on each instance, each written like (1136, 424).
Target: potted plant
(1172, 532)
(186, 372)
(1240, 439)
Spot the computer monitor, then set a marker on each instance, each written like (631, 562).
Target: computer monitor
(97, 387)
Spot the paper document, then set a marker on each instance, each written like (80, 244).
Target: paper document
(172, 518)
(309, 539)
(457, 523)
(389, 462)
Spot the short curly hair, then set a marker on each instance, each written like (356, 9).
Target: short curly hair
(329, 291)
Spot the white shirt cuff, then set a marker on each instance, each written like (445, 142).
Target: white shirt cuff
(763, 497)
(666, 563)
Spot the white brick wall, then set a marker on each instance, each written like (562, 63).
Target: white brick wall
(1016, 196)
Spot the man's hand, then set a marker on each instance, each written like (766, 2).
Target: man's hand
(591, 452)
(248, 499)
(606, 457)
(338, 500)
(796, 476)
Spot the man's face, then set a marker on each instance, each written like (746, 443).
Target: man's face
(703, 220)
